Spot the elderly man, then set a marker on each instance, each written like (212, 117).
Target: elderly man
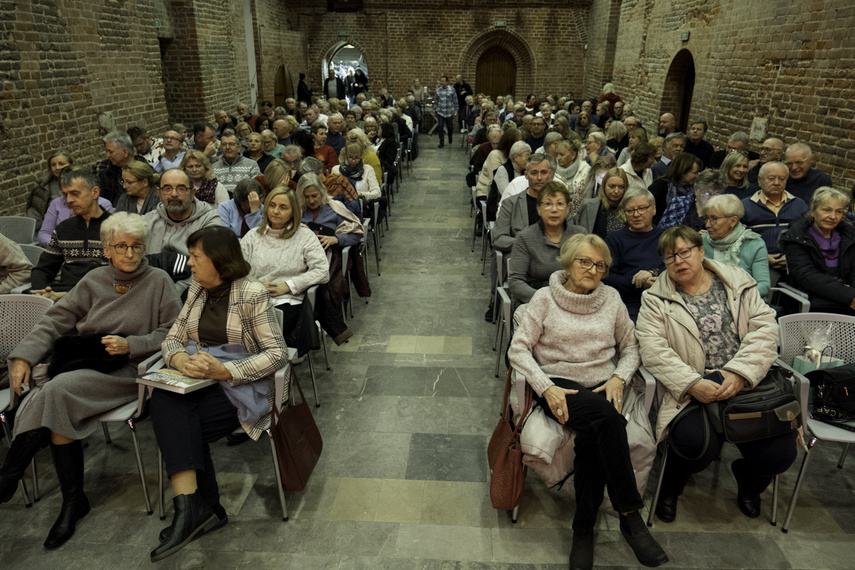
(538, 133)
(695, 143)
(738, 142)
(220, 118)
(120, 152)
(335, 138)
(145, 146)
(75, 247)
(637, 168)
(631, 123)
(446, 107)
(771, 209)
(282, 132)
(804, 179)
(667, 124)
(674, 145)
(172, 154)
(771, 151)
(309, 117)
(205, 139)
(479, 136)
(233, 166)
(178, 215)
(245, 115)
(617, 111)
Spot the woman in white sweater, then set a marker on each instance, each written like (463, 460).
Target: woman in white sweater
(582, 388)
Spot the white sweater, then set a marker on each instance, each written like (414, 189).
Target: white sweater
(299, 261)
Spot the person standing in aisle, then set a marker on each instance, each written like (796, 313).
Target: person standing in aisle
(446, 107)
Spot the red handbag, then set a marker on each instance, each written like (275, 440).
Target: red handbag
(504, 455)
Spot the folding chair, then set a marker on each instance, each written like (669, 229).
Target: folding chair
(19, 229)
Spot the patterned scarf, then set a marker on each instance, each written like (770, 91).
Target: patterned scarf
(352, 173)
(207, 192)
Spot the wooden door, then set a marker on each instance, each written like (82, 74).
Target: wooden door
(496, 72)
(283, 87)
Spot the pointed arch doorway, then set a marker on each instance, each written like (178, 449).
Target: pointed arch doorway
(496, 72)
(679, 87)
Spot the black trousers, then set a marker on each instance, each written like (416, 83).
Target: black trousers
(185, 425)
(602, 454)
(445, 122)
(763, 459)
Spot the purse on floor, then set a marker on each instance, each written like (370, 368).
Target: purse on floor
(504, 455)
(297, 441)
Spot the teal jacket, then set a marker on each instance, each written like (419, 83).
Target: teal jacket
(753, 258)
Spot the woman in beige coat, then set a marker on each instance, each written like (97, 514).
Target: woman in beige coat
(706, 334)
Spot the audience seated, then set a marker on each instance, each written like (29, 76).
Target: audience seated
(139, 181)
(282, 129)
(232, 167)
(173, 152)
(583, 125)
(538, 133)
(633, 137)
(616, 139)
(572, 169)
(735, 168)
(772, 150)
(496, 159)
(603, 215)
(704, 317)
(244, 211)
(804, 179)
(635, 262)
(549, 142)
(15, 268)
(255, 151)
(678, 180)
(637, 168)
(338, 187)
(695, 143)
(738, 142)
(47, 187)
(387, 152)
(59, 211)
(728, 241)
(512, 168)
(687, 209)
(673, 146)
(335, 138)
(820, 254)
(369, 157)
(667, 124)
(205, 182)
(145, 146)
(205, 140)
(362, 178)
(120, 152)
(270, 144)
(324, 152)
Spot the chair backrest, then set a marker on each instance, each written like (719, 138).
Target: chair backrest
(18, 315)
(794, 331)
(19, 229)
(33, 252)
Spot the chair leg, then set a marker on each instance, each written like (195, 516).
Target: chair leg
(140, 467)
(36, 492)
(774, 521)
(501, 327)
(314, 384)
(796, 490)
(278, 476)
(843, 456)
(162, 512)
(658, 486)
(106, 432)
(515, 514)
(376, 251)
(323, 343)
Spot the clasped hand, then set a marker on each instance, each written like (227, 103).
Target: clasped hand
(202, 365)
(706, 391)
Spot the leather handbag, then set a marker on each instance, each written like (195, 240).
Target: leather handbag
(297, 441)
(834, 395)
(504, 455)
(770, 409)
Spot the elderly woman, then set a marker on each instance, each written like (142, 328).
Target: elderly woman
(199, 169)
(513, 167)
(819, 252)
(329, 219)
(634, 137)
(687, 210)
(679, 180)
(497, 157)
(561, 125)
(255, 151)
(728, 241)
(534, 257)
(372, 131)
(323, 152)
(224, 307)
(270, 144)
(735, 168)
(92, 369)
(595, 146)
(47, 187)
(243, 130)
(363, 179)
(602, 215)
(583, 125)
(139, 181)
(369, 156)
(583, 388)
(244, 211)
(706, 334)
(572, 170)
(635, 263)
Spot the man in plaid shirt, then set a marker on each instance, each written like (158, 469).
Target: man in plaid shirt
(446, 107)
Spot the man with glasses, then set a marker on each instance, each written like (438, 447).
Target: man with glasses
(172, 153)
(804, 179)
(145, 146)
(635, 255)
(771, 151)
(233, 166)
(738, 142)
(75, 247)
(178, 215)
(537, 134)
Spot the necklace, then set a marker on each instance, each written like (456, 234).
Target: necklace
(122, 288)
(213, 301)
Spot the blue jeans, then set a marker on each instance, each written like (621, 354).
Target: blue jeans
(443, 122)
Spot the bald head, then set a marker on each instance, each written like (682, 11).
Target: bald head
(772, 150)
(667, 124)
(280, 128)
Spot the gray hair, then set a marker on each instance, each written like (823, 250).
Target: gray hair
(310, 165)
(634, 193)
(825, 193)
(306, 182)
(551, 138)
(124, 223)
(335, 116)
(539, 157)
(740, 137)
(599, 137)
(493, 128)
(674, 135)
(292, 150)
(725, 204)
(519, 148)
(570, 250)
(120, 139)
(769, 164)
(617, 130)
(711, 178)
(795, 147)
(280, 109)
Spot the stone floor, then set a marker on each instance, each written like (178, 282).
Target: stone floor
(407, 409)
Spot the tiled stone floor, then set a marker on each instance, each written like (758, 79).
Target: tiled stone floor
(402, 484)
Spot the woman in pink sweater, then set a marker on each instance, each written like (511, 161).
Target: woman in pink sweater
(576, 347)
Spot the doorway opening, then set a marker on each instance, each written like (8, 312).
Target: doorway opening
(284, 86)
(679, 87)
(345, 60)
(496, 72)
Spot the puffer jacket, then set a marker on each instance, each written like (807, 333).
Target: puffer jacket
(670, 342)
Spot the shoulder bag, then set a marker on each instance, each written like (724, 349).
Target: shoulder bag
(834, 395)
(504, 455)
(297, 441)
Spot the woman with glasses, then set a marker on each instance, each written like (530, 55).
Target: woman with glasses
(706, 334)
(687, 210)
(139, 181)
(735, 168)
(114, 318)
(635, 263)
(583, 388)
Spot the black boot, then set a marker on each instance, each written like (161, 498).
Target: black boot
(191, 518)
(645, 547)
(582, 551)
(68, 460)
(24, 448)
(222, 520)
(747, 497)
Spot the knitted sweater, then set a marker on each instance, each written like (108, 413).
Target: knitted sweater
(230, 174)
(632, 252)
(769, 225)
(74, 250)
(299, 261)
(596, 326)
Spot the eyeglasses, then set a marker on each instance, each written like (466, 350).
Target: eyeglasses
(228, 145)
(169, 138)
(129, 182)
(181, 190)
(642, 210)
(587, 264)
(553, 205)
(769, 149)
(682, 254)
(802, 161)
(122, 248)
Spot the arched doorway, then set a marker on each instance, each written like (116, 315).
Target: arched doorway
(284, 88)
(344, 59)
(679, 87)
(496, 72)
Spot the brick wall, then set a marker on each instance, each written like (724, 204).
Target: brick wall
(788, 63)
(277, 44)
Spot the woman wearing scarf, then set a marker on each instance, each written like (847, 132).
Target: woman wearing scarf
(350, 166)
(728, 241)
(679, 180)
(688, 210)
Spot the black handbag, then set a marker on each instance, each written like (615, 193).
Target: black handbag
(76, 352)
(770, 409)
(834, 394)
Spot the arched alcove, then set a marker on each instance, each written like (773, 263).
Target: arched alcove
(284, 86)
(496, 72)
(344, 54)
(679, 87)
(511, 43)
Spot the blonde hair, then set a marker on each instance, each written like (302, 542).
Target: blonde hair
(296, 212)
(193, 154)
(571, 248)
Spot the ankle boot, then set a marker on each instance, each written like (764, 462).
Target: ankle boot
(222, 520)
(645, 547)
(191, 518)
(582, 551)
(24, 448)
(68, 460)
